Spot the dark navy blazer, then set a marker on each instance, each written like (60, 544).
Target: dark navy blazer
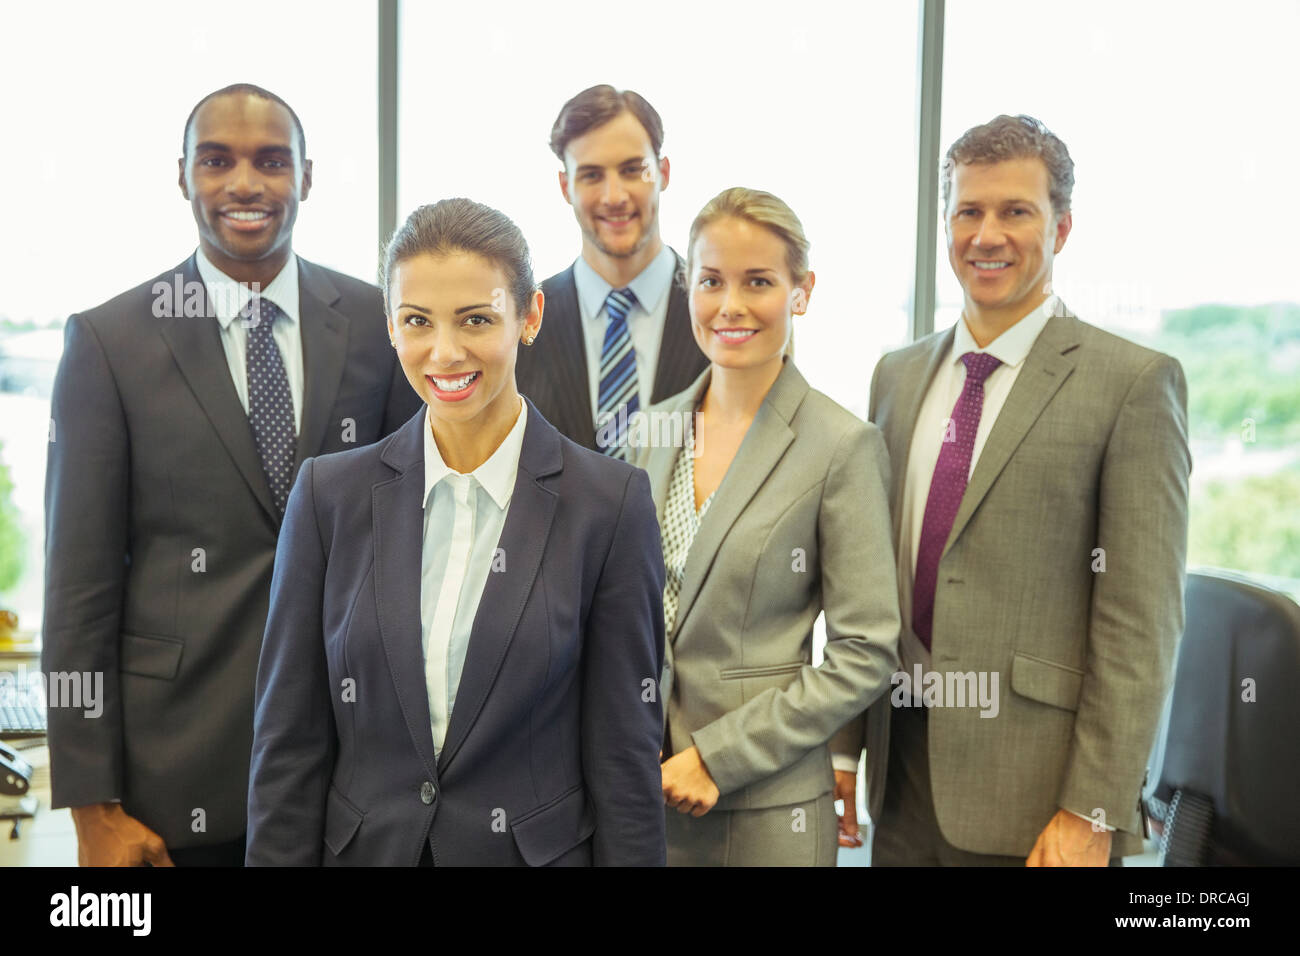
(551, 754)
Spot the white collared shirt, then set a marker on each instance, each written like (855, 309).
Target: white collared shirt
(228, 299)
(1011, 348)
(645, 322)
(463, 518)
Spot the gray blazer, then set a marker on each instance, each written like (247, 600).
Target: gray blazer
(799, 524)
(1089, 451)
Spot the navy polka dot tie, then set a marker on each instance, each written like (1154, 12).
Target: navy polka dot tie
(947, 486)
(270, 403)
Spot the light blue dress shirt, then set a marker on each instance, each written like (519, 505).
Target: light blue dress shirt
(463, 518)
(645, 323)
(229, 297)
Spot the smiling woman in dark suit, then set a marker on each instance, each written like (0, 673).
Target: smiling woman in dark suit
(466, 623)
(780, 512)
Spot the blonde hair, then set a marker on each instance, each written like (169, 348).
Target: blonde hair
(762, 209)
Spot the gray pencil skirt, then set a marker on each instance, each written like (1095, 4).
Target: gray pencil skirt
(801, 834)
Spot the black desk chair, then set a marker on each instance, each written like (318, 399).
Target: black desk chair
(1231, 769)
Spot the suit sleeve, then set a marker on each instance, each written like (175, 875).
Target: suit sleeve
(622, 719)
(860, 598)
(293, 720)
(1137, 601)
(849, 740)
(87, 507)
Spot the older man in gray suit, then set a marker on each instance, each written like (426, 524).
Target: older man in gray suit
(1039, 502)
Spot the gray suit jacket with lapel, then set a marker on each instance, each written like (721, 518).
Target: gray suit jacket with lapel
(552, 751)
(799, 524)
(552, 371)
(1089, 452)
(161, 531)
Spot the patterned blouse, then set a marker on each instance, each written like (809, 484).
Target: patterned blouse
(681, 524)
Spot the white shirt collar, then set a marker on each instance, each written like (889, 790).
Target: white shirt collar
(496, 475)
(649, 287)
(228, 297)
(1012, 346)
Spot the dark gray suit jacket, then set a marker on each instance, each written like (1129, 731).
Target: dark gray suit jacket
(160, 536)
(552, 371)
(552, 751)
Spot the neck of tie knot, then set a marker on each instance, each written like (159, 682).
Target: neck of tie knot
(619, 303)
(260, 313)
(979, 366)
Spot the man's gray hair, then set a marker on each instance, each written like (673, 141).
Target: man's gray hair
(1014, 137)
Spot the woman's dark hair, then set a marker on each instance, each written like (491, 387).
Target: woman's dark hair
(462, 225)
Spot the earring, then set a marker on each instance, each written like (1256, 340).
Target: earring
(529, 340)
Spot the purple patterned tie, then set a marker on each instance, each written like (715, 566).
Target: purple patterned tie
(947, 486)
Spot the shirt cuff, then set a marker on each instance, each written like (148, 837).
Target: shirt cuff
(1081, 816)
(847, 764)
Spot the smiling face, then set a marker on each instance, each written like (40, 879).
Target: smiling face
(742, 295)
(612, 179)
(457, 331)
(1003, 237)
(244, 177)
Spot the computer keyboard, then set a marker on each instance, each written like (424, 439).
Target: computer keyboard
(18, 720)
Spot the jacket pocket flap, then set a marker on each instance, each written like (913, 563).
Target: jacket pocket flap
(150, 656)
(553, 829)
(341, 821)
(768, 670)
(1046, 681)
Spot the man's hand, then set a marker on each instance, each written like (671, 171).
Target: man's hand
(1070, 840)
(107, 836)
(846, 789)
(688, 786)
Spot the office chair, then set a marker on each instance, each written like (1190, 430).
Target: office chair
(1231, 769)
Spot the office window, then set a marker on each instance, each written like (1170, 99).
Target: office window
(816, 106)
(1174, 114)
(94, 113)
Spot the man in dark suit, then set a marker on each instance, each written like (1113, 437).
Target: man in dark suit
(181, 412)
(618, 329)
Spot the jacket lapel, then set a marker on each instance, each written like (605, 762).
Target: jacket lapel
(659, 461)
(764, 445)
(398, 505)
(568, 359)
(679, 355)
(1047, 367)
(324, 350)
(899, 410)
(195, 343)
(523, 538)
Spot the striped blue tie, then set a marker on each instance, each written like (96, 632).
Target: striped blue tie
(618, 381)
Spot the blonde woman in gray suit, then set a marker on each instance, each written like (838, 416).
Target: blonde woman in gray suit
(778, 511)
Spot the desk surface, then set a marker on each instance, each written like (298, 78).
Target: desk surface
(49, 838)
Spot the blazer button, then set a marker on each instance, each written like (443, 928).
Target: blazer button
(426, 792)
